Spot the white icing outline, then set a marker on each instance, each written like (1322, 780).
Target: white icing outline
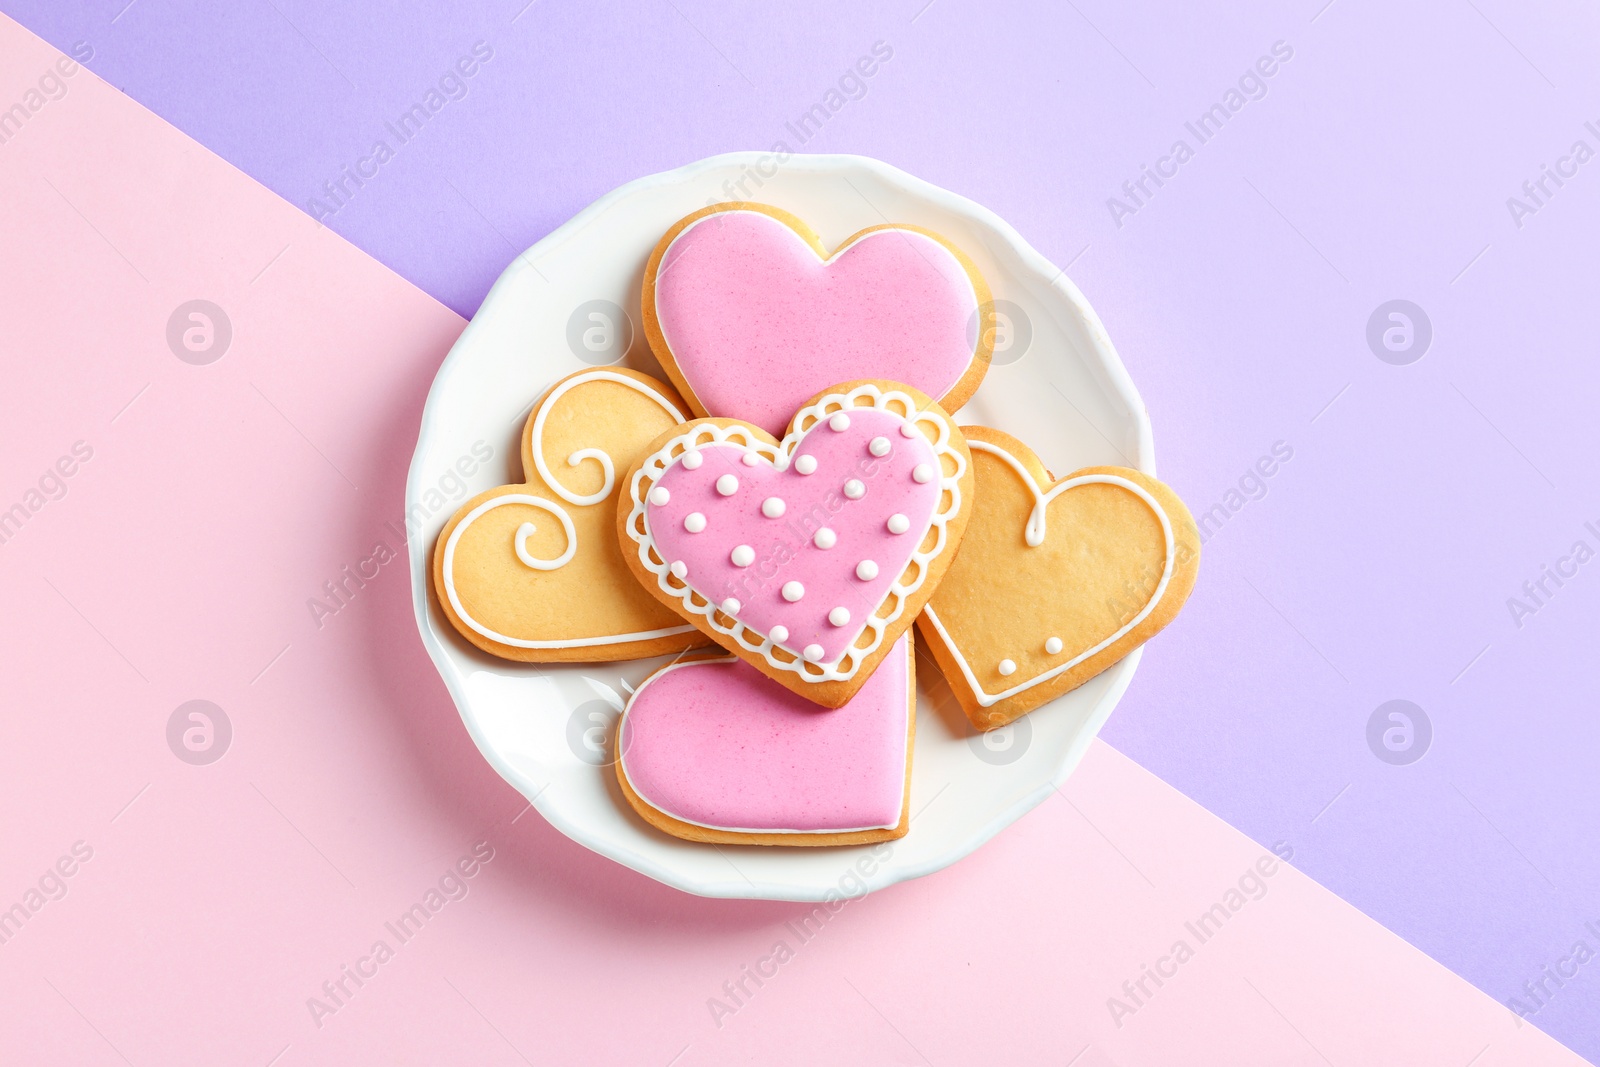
(607, 466)
(520, 538)
(519, 543)
(741, 436)
(726, 661)
(825, 258)
(1034, 534)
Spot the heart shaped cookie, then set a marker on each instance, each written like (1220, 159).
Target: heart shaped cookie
(750, 314)
(710, 750)
(533, 571)
(1056, 580)
(805, 557)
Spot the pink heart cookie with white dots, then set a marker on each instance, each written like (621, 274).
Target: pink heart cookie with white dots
(807, 557)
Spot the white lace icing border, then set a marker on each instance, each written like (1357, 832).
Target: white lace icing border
(779, 656)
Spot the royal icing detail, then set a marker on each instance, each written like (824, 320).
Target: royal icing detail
(795, 582)
(547, 403)
(1034, 534)
(520, 538)
(757, 321)
(715, 743)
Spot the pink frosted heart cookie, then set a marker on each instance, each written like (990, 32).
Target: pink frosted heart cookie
(710, 750)
(750, 315)
(806, 557)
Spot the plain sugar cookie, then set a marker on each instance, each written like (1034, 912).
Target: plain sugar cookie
(533, 571)
(1056, 579)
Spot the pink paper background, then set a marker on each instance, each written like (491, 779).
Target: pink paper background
(219, 898)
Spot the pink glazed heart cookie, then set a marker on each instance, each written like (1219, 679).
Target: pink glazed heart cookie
(806, 557)
(710, 750)
(750, 315)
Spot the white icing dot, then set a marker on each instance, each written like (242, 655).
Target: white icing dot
(908, 429)
(839, 422)
(1007, 668)
(659, 495)
(922, 474)
(694, 522)
(1053, 646)
(779, 634)
(898, 523)
(679, 569)
(879, 446)
(727, 485)
(854, 489)
(812, 653)
(750, 459)
(793, 591)
(772, 507)
(692, 460)
(839, 617)
(806, 464)
(742, 556)
(731, 606)
(866, 570)
(825, 538)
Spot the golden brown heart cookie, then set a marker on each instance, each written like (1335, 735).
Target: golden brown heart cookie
(1056, 579)
(533, 571)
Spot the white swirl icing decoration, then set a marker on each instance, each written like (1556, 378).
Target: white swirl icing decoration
(607, 466)
(519, 541)
(1034, 534)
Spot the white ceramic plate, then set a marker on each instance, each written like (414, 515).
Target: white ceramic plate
(1057, 384)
